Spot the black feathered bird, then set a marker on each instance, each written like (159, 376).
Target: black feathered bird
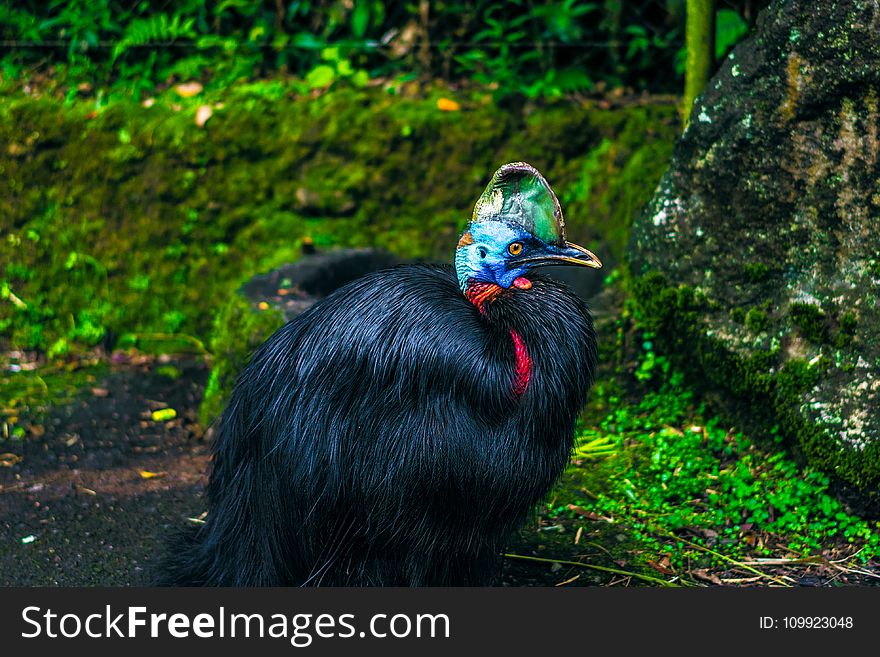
(399, 430)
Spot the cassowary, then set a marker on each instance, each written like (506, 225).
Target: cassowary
(398, 431)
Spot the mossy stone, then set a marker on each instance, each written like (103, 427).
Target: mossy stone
(770, 207)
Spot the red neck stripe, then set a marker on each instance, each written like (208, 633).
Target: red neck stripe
(523, 367)
(479, 294)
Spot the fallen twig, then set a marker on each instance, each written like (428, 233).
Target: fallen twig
(760, 561)
(740, 564)
(605, 569)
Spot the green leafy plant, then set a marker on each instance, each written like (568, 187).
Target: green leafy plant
(159, 29)
(536, 50)
(730, 28)
(699, 493)
(334, 67)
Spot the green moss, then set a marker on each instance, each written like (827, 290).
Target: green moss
(810, 321)
(847, 330)
(794, 379)
(757, 320)
(138, 222)
(848, 323)
(168, 371)
(738, 315)
(762, 380)
(30, 393)
(756, 271)
(238, 330)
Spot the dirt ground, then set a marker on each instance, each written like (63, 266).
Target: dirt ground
(82, 507)
(92, 500)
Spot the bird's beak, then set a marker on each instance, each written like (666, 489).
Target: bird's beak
(569, 254)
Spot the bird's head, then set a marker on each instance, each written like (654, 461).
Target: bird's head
(517, 224)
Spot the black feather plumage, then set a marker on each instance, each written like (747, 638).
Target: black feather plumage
(377, 439)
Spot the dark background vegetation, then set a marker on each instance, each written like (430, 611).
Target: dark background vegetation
(530, 49)
(157, 155)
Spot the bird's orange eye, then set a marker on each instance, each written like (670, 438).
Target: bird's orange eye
(515, 248)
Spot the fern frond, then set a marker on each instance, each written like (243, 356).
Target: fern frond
(158, 30)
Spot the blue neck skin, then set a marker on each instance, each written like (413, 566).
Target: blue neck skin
(483, 258)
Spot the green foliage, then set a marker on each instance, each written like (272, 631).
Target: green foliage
(503, 52)
(730, 28)
(532, 49)
(238, 330)
(158, 28)
(334, 67)
(672, 473)
(651, 365)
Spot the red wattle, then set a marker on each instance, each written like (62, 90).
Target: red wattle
(523, 367)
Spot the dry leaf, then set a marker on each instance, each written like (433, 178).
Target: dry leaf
(589, 515)
(163, 414)
(706, 576)
(188, 89)
(447, 105)
(662, 566)
(8, 459)
(203, 114)
(146, 474)
(567, 581)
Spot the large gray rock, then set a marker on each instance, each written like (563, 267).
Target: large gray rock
(759, 256)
